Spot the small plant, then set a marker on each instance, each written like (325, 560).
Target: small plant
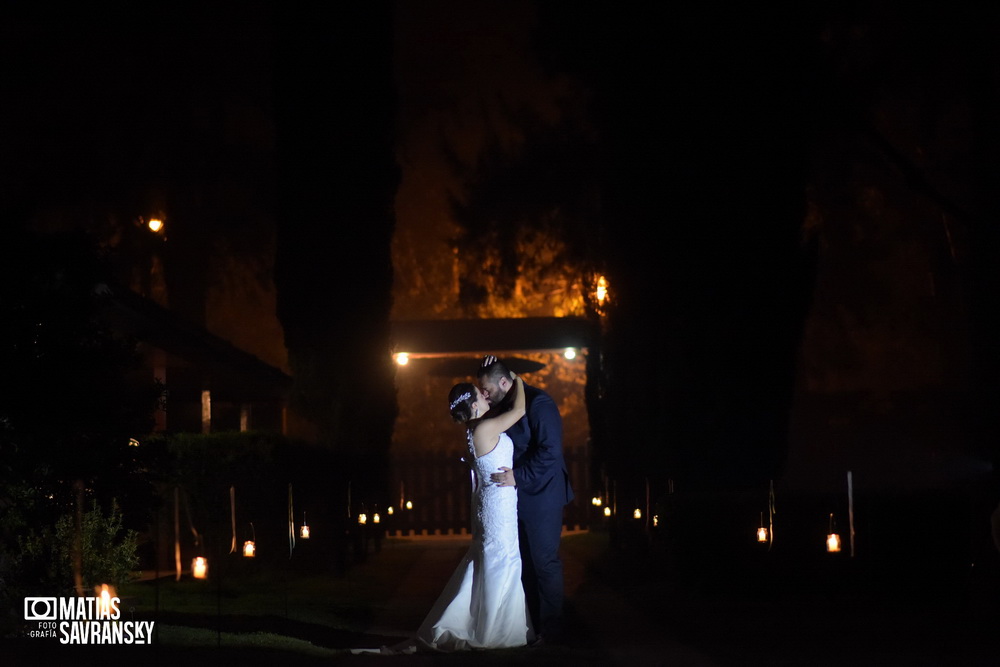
(109, 552)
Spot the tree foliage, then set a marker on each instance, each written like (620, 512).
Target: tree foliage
(70, 404)
(333, 267)
(73, 396)
(108, 551)
(529, 217)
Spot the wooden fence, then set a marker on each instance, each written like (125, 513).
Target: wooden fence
(439, 488)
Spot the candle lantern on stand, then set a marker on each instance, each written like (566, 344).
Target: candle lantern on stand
(762, 531)
(832, 538)
(250, 546)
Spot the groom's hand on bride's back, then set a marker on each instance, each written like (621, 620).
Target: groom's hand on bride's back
(503, 478)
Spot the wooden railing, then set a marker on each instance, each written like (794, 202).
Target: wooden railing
(439, 486)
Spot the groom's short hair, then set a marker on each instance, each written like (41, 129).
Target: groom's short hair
(494, 371)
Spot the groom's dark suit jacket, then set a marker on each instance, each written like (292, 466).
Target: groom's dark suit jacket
(539, 468)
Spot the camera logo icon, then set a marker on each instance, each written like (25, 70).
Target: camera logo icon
(40, 609)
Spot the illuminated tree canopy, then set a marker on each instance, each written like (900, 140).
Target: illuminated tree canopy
(529, 219)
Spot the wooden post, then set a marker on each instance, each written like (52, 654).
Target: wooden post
(850, 508)
(78, 537)
(177, 531)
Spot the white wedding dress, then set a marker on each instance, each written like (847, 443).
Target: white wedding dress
(483, 605)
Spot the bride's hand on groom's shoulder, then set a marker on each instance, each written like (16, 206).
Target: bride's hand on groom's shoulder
(488, 360)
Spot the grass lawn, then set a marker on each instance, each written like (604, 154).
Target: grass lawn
(281, 612)
(250, 596)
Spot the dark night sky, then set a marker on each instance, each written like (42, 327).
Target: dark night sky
(720, 132)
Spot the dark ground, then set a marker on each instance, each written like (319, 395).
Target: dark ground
(841, 612)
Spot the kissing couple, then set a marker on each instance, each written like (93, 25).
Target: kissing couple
(508, 589)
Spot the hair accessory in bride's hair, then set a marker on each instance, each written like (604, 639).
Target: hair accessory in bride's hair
(465, 396)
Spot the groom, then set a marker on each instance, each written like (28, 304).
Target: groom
(543, 489)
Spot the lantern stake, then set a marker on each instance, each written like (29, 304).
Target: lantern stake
(232, 512)
(771, 511)
(850, 508)
(648, 513)
(291, 522)
(177, 531)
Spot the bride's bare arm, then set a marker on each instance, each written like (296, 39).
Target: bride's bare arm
(484, 437)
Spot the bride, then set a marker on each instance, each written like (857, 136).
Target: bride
(483, 605)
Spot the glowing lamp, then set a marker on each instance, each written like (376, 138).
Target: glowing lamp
(637, 513)
(656, 520)
(155, 225)
(250, 546)
(570, 353)
(762, 531)
(199, 567)
(402, 358)
(389, 510)
(601, 292)
(376, 518)
(362, 518)
(607, 511)
(595, 501)
(104, 595)
(409, 504)
(832, 538)
(304, 530)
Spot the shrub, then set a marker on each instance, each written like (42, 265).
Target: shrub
(109, 552)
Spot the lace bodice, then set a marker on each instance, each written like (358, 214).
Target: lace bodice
(483, 604)
(494, 507)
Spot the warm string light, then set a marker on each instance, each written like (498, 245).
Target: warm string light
(199, 567)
